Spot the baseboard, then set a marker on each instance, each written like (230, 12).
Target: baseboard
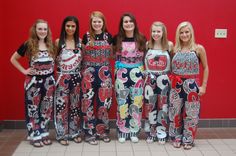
(203, 123)
(1, 125)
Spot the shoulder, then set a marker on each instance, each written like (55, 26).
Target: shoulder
(22, 49)
(171, 46)
(108, 37)
(200, 49)
(115, 39)
(57, 42)
(143, 37)
(108, 34)
(85, 38)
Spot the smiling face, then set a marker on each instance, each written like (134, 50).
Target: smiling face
(157, 33)
(128, 24)
(70, 28)
(185, 34)
(97, 25)
(42, 30)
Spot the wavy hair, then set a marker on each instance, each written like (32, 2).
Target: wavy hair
(179, 43)
(33, 40)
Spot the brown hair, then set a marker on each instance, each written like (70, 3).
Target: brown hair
(138, 37)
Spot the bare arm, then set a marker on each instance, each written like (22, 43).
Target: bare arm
(203, 58)
(14, 60)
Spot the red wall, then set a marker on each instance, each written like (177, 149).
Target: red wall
(205, 15)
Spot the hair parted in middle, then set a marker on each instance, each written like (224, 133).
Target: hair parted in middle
(63, 34)
(164, 40)
(138, 37)
(178, 43)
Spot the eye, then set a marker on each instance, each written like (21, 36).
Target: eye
(126, 21)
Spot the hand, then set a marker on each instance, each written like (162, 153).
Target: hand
(202, 90)
(29, 71)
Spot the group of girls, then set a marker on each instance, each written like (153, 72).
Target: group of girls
(157, 73)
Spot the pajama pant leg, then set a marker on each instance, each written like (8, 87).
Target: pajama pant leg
(38, 102)
(191, 110)
(74, 108)
(87, 104)
(184, 111)
(129, 93)
(104, 100)
(156, 103)
(67, 110)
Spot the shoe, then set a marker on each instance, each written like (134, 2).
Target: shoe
(91, 140)
(77, 139)
(176, 144)
(46, 141)
(134, 139)
(37, 143)
(122, 140)
(162, 141)
(150, 140)
(105, 138)
(188, 146)
(63, 142)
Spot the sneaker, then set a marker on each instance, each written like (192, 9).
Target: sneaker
(134, 139)
(121, 140)
(162, 141)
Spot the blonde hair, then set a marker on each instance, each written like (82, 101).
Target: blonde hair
(178, 42)
(164, 40)
(32, 42)
(104, 27)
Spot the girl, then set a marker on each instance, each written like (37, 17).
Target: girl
(97, 79)
(129, 46)
(67, 95)
(39, 82)
(185, 91)
(157, 85)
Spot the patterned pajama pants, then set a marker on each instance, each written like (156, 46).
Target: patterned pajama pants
(96, 84)
(129, 95)
(184, 110)
(39, 92)
(67, 107)
(156, 93)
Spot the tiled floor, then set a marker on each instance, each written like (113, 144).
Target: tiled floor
(209, 142)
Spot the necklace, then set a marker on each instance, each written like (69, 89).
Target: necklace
(69, 40)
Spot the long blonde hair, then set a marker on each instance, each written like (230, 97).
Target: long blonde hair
(32, 42)
(164, 40)
(178, 42)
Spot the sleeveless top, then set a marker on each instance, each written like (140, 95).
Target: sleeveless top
(99, 52)
(42, 64)
(69, 60)
(157, 61)
(185, 63)
(129, 54)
